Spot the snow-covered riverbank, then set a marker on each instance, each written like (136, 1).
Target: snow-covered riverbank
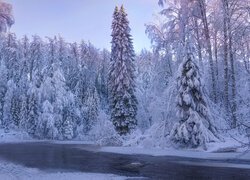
(10, 171)
(229, 149)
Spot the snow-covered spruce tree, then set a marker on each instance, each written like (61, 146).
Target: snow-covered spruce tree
(3, 90)
(91, 108)
(30, 112)
(45, 126)
(11, 56)
(68, 129)
(123, 103)
(54, 90)
(194, 127)
(36, 58)
(7, 108)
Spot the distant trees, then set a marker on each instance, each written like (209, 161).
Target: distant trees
(123, 103)
(3, 90)
(51, 88)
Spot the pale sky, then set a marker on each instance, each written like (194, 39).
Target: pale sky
(75, 20)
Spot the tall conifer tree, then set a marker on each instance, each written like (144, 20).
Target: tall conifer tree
(123, 102)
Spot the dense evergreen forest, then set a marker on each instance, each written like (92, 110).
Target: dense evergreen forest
(191, 88)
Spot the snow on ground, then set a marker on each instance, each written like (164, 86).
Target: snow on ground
(215, 164)
(21, 137)
(14, 136)
(228, 149)
(10, 171)
(169, 152)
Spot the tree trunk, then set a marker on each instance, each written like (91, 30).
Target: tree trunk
(231, 56)
(216, 54)
(198, 41)
(209, 47)
(226, 79)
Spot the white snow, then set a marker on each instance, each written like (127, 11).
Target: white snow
(22, 137)
(189, 153)
(14, 136)
(215, 164)
(10, 171)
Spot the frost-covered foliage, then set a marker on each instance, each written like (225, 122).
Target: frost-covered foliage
(3, 90)
(6, 17)
(220, 38)
(92, 107)
(104, 132)
(194, 127)
(123, 103)
(51, 88)
(46, 122)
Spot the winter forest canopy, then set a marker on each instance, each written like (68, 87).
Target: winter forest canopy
(191, 88)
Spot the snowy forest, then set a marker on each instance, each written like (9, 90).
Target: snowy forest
(191, 89)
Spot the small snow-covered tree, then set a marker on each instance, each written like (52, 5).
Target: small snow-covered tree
(7, 109)
(46, 123)
(31, 110)
(12, 106)
(35, 59)
(68, 129)
(123, 103)
(3, 89)
(194, 127)
(91, 108)
(16, 107)
(11, 57)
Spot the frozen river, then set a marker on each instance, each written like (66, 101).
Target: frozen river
(84, 158)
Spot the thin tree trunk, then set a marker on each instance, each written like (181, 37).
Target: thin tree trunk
(246, 60)
(226, 79)
(209, 47)
(216, 54)
(198, 41)
(234, 104)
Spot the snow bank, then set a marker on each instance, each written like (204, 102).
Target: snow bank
(189, 153)
(9, 171)
(150, 144)
(103, 133)
(14, 136)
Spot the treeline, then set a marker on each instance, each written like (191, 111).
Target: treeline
(51, 89)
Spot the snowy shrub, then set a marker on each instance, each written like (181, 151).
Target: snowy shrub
(104, 132)
(155, 136)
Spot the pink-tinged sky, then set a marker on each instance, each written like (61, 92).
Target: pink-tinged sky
(82, 19)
